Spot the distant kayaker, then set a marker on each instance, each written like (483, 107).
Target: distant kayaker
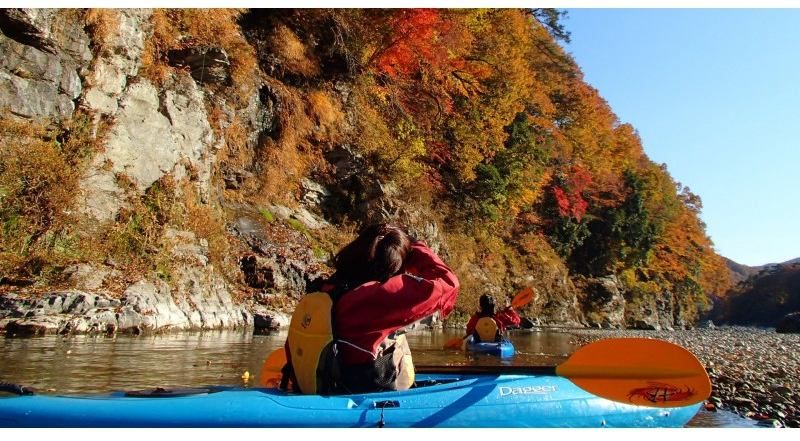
(486, 325)
(347, 335)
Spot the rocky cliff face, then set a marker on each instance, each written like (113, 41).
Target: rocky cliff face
(44, 57)
(49, 70)
(185, 129)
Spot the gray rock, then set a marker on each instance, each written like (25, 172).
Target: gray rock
(309, 219)
(100, 197)
(200, 301)
(49, 30)
(789, 324)
(35, 83)
(266, 320)
(37, 326)
(87, 277)
(43, 54)
(109, 75)
(346, 161)
(314, 193)
(283, 267)
(234, 179)
(139, 145)
(145, 144)
(207, 65)
(26, 27)
(604, 298)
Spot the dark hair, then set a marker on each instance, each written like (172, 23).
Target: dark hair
(378, 253)
(487, 305)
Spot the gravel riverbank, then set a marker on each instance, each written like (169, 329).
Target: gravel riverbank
(754, 372)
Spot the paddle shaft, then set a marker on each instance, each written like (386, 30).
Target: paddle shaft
(486, 370)
(583, 371)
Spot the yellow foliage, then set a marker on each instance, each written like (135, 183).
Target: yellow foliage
(462, 253)
(393, 140)
(372, 131)
(290, 157)
(134, 238)
(40, 166)
(163, 38)
(218, 27)
(326, 111)
(36, 184)
(293, 54)
(102, 24)
(481, 259)
(235, 154)
(209, 224)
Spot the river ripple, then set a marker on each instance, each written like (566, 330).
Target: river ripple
(85, 364)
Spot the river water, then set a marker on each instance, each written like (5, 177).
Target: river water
(86, 364)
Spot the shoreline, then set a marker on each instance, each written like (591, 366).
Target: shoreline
(754, 372)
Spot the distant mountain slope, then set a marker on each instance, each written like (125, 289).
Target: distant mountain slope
(763, 298)
(740, 272)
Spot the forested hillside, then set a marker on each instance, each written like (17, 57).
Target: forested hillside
(472, 127)
(764, 298)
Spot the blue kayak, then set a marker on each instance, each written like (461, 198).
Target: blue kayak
(439, 400)
(502, 349)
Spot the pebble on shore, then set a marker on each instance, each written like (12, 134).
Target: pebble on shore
(754, 372)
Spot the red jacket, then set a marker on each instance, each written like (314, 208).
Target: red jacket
(367, 314)
(504, 318)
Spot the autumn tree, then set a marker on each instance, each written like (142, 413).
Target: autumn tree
(486, 111)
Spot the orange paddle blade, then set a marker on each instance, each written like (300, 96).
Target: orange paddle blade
(523, 298)
(271, 370)
(454, 343)
(640, 371)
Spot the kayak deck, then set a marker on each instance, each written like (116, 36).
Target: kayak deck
(449, 401)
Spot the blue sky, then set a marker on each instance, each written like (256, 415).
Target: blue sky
(714, 94)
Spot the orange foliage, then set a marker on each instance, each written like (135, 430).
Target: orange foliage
(326, 112)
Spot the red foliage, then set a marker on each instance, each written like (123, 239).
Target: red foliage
(414, 40)
(423, 55)
(562, 200)
(570, 198)
(439, 152)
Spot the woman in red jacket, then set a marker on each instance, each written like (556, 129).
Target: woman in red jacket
(384, 281)
(502, 319)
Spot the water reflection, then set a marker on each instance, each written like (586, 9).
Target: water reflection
(98, 364)
(84, 364)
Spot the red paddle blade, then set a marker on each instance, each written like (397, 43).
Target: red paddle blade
(523, 297)
(271, 370)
